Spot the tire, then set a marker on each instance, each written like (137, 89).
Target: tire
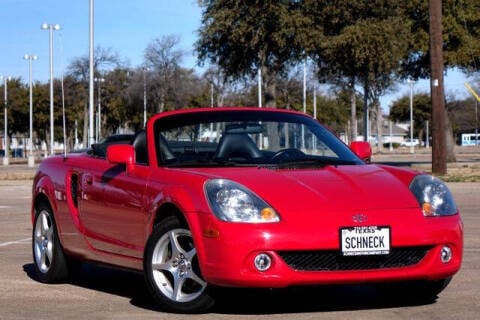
(172, 271)
(49, 260)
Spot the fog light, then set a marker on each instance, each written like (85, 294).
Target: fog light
(446, 254)
(263, 262)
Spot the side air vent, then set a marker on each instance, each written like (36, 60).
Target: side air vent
(74, 189)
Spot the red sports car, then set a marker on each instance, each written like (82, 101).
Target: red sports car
(242, 197)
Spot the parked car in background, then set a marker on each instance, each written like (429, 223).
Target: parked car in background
(269, 198)
(410, 143)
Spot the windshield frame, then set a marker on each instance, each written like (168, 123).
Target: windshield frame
(181, 119)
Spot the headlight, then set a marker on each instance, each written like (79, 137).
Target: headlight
(433, 196)
(233, 202)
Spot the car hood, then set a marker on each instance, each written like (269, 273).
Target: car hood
(335, 188)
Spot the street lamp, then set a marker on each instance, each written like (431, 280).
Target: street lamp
(31, 158)
(5, 157)
(99, 94)
(260, 87)
(90, 75)
(412, 147)
(304, 100)
(50, 28)
(145, 96)
(476, 123)
(477, 99)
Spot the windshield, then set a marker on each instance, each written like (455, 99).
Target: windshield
(247, 138)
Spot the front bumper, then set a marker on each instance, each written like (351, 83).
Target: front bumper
(227, 255)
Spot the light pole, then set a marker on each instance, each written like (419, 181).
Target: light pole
(5, 157)
(304, 100)
(427, 140)
(259, 86)
(145, 70)
(211, 94)
(31, 158)
(477, 99)
(412, 147)
(304, 96)
(476, 123)
(50, 28)
(99, 98)
(91, 73)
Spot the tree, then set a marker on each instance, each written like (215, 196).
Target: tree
(163, 59)
(17, 108)
(422, 111)
(104, 59)
(117, 107)
(243, 37)
(462, 114)
(461, 31)
(362, 45)
(332, 111)
(455, 45)
(41, 114)
(219, 82)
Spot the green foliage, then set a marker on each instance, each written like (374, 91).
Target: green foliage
(395, 145)
(461, 31)
(422, 111)
(462, 116)
(354, 45)
(241, 36)
(422, 107)
(333, 111)
(361, 37)
(17, 106)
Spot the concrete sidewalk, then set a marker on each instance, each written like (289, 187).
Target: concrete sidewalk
(17, 171)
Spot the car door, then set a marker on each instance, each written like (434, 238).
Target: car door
(112, 208)
(125, 202)
(90, 203)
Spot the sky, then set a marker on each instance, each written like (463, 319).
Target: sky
(125, 27)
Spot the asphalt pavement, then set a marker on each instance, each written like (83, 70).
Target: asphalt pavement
(102, 293)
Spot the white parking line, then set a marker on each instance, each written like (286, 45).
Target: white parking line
(4, 207)
(4, 244)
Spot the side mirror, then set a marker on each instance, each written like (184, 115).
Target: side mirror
(362, 149)
(121, 154)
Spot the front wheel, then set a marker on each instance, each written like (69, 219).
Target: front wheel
(172, 271)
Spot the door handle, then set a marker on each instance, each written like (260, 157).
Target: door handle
(88, 179)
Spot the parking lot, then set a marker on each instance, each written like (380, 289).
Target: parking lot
(101, 293)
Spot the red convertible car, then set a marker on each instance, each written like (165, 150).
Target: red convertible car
(242, 197)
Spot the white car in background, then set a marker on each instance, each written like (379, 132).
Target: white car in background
(410, 143)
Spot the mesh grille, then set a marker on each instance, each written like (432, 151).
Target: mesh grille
(334, 261)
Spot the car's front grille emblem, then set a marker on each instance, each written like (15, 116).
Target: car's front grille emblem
(359, 218)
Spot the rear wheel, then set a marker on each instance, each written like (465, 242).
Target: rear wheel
(172, 271)
(49, 259)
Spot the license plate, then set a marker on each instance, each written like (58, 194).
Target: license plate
(371, 240)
